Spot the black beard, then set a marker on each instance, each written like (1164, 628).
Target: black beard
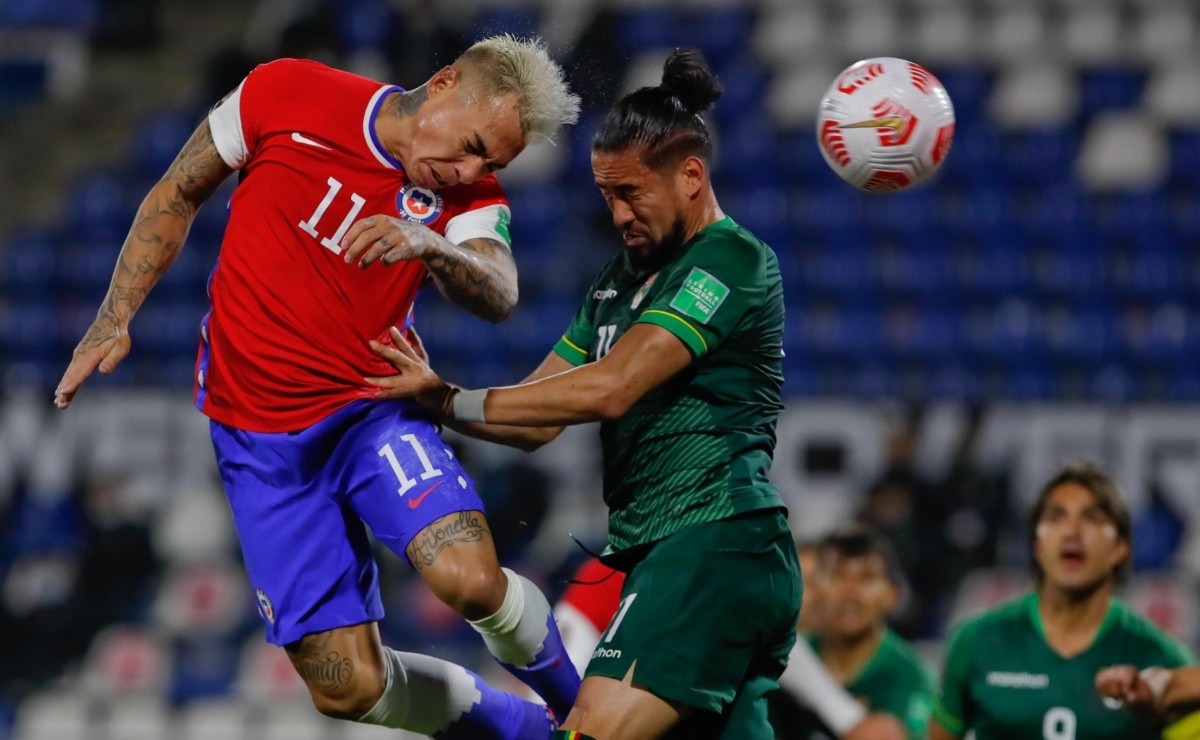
(655, 256)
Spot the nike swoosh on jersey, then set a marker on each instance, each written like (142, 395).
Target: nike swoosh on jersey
(302, 139)
(415, 502)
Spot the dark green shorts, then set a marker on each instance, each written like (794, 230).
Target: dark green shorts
(707, 619)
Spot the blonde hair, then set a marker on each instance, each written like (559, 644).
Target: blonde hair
(506, 64)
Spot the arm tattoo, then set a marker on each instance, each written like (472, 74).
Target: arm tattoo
(478, 275)
(465, 526)
(319, 666)
(158, 232)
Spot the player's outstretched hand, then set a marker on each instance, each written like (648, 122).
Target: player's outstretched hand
(415, 379)
(105, 344)
(1140, 691)
(385, 239)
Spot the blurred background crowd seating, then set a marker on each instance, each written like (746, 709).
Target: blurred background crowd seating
(946, 347)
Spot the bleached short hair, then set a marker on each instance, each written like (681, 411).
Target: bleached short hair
(507, 64)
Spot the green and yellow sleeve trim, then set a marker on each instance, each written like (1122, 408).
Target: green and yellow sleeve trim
(947, 720)
(570, 351)
(678, 326)
(1187, 728)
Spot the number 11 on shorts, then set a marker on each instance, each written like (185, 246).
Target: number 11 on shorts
(406, 483)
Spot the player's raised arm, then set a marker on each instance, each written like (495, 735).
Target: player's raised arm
(158, 232)
(643, 359)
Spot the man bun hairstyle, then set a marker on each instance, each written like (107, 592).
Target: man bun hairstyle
(508, 65)
(664, 120)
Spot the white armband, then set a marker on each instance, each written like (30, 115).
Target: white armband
(807, 681)
(468, 405)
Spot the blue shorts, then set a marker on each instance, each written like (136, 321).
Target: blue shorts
(300, 501)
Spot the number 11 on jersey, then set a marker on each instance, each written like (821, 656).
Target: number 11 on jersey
(333, 243)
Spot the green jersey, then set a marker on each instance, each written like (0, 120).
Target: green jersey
(893, 681)
(1003, 680)
(699, 447)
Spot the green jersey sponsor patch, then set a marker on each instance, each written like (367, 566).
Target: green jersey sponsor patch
(502, 223)
(700, 296)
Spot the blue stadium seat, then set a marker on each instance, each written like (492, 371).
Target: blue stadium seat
(1080, 334)
(953, 382)
(652, 27)
(99, 207)
(1065, 274)
(975, 157)
(1135, 215)
(1042, 156)
(840, 272)
(45, 524)
(85, 270)
(873, 382)
(984, 212)
(1033, 383)
(746, 152)
(158, 139)
(745, 84)
(922, 334)
(1185, 160)
(835, 214)
(1051, 211)
(78, 15)
(168, 330)
(29, 331)
(922, 269)
(364, 25)
(1154, 275)
(721, 33)
(910, 213)
(997, 269)
(1110, 88)
(1112, 383)
(28, 265)
(969, 89)
(521, 21)
(764, 211)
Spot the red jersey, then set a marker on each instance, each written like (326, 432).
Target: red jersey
(286, 342)
(595, 592)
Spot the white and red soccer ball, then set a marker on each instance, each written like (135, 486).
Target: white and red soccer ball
(885, 124)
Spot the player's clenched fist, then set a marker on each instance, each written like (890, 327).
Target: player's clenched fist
(1140, 691)
(385, 238)
(105, 344)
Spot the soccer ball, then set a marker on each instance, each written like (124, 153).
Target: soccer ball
(885, 124)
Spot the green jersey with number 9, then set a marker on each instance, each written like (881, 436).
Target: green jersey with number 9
(698, 448)
(1003, 680)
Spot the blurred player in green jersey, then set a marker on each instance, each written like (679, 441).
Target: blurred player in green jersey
(677, 349)
(859, 581)
(1026, 668)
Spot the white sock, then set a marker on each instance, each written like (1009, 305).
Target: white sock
(422, 694)
(517, 632)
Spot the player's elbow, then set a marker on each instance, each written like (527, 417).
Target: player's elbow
(613, 401)
(501, 306)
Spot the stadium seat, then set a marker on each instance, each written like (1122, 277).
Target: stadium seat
(1165, 599)
(157, 141)
(651, 27)
(99, 208)
(790, 36)
(793, 97)
(208, 720)
(1090, 32)
(61, 714)
(127, 660)
(1034, 96)
(982, 589)
(137, 719)
(519, 19)
(868, 29)
(77, 15)
(1016, 33)
(364, 25)
(202, 599)
(1042, 156)
(266, 674)
(946, 33)
(1123, 152)
(1164, 33)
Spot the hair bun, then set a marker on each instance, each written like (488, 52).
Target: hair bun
(686, 76)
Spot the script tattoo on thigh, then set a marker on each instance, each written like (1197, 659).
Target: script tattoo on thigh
(319, 666)
(465, 526)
